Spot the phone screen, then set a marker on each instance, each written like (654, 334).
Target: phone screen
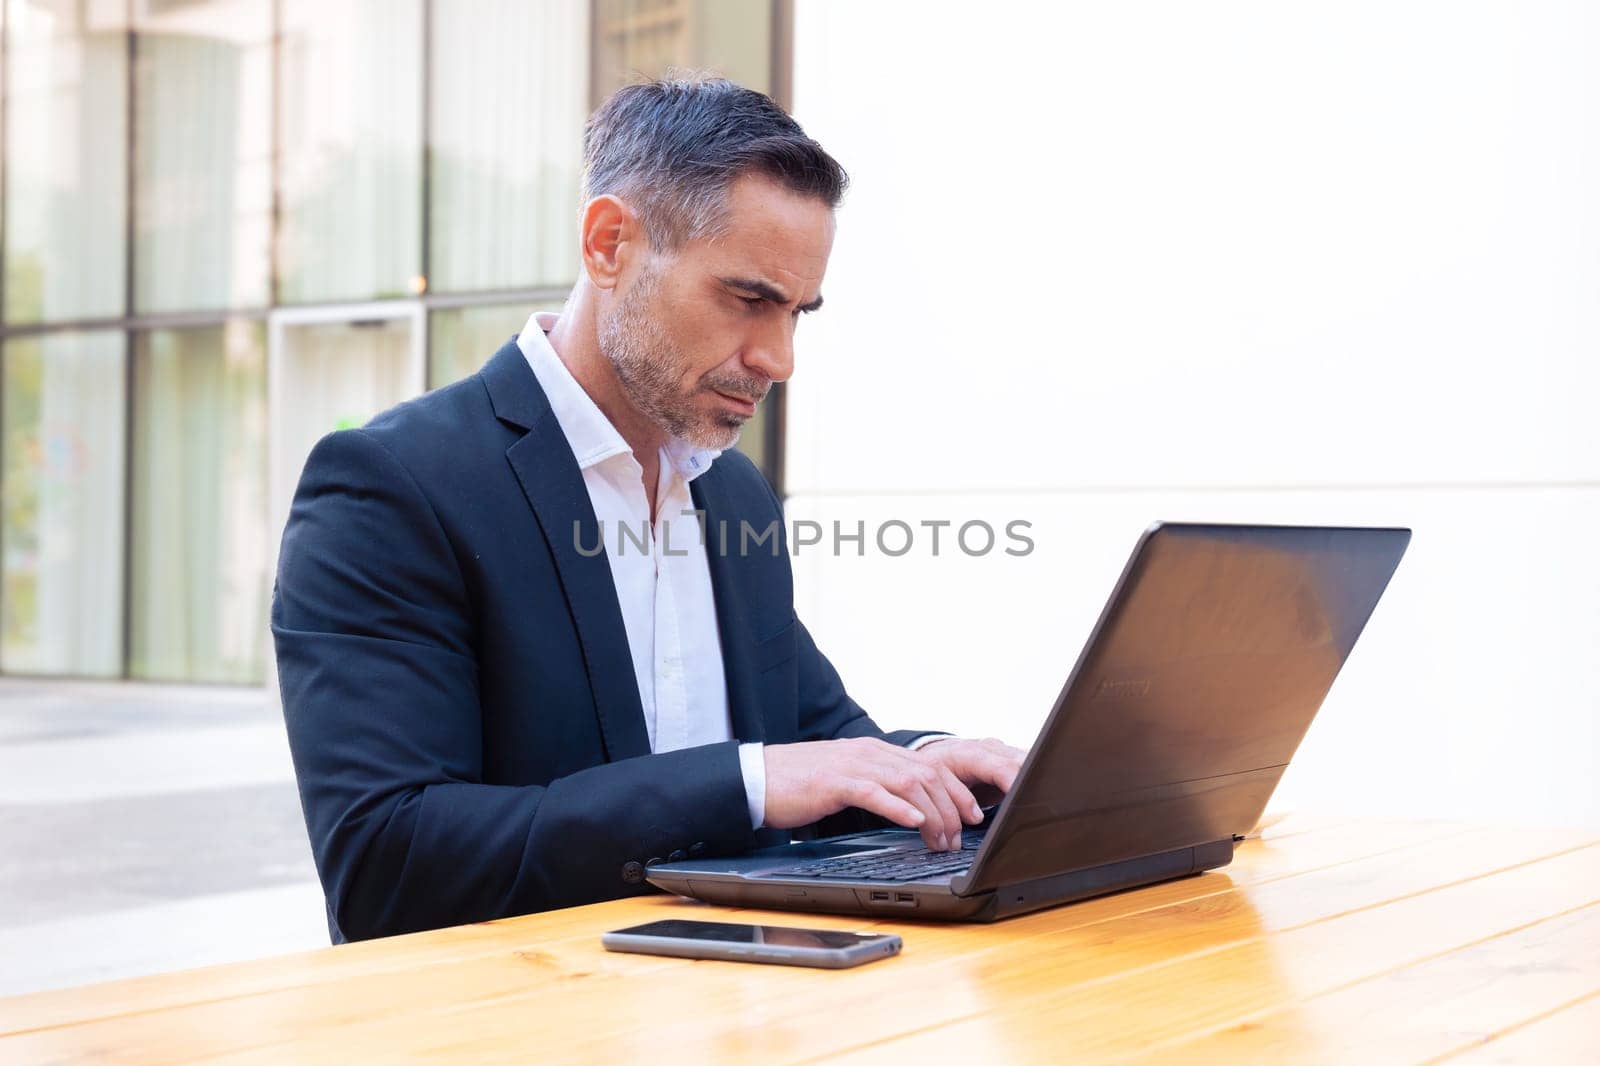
(728, 933)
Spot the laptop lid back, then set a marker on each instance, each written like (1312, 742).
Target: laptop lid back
(1196, 686)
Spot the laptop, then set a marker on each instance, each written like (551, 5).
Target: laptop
(1197, 684)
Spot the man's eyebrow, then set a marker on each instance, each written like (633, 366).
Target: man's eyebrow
(757, 287)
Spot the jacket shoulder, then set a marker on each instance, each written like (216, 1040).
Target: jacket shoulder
(442, 433)
(741, 475)
(454, 406)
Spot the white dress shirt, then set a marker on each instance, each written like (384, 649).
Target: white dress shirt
(659, 568)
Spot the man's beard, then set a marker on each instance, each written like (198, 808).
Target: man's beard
(649, 366)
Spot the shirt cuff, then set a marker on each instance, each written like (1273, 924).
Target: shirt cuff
(928, 738)
(753, 765)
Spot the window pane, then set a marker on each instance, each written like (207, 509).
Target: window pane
(753, 437)
(65, 154)
(328, 376)
(646, 37)
(199, 504)
(510, 82)
(462, 339)
(203, 155)
(61, 504)
(351, 96)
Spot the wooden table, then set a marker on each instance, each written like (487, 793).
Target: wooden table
(1325, 940)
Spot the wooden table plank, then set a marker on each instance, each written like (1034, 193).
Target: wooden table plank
(1570, 1034)
(1425, 1010)
(506, 982)
(1042, 1010)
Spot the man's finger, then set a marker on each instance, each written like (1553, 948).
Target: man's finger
(871, 796)
(902, 772)
(945, 802)
(1003, 770)
(990, 767)
(933, 830)
(961, 796)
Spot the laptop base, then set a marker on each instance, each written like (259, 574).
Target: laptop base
(713, 882)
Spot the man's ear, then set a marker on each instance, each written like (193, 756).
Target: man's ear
(609, 234)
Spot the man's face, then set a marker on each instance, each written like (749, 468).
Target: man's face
(698, 335)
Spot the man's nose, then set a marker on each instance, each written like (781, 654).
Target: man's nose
(771, 355)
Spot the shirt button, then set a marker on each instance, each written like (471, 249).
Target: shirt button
(698, 848)
(632, 873)
(676, 856)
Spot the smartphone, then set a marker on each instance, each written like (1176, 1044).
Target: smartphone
(781, 944)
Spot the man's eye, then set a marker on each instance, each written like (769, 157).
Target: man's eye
(753, 301)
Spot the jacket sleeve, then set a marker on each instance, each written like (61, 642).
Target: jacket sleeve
(375, 642)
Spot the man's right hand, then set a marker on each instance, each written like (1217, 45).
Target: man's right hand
(811, 780)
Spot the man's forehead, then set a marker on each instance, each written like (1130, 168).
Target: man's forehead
(775, 236)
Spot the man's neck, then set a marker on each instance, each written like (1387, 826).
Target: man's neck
(577, 345)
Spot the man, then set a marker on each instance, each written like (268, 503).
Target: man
(489, 715)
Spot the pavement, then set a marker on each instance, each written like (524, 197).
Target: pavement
(146, 828)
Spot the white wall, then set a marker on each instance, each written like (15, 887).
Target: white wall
(1107, 263)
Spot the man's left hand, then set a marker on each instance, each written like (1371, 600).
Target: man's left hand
(987, 767)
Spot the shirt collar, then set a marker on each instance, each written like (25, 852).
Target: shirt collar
(590, 433)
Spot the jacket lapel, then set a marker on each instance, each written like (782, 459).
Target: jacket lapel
(730, 588)
(548, 473)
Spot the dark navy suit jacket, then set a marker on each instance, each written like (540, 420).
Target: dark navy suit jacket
(459, 694)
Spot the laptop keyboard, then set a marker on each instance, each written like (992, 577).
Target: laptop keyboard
(890, 865)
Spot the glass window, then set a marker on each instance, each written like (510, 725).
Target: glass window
(329, 375)
(203, 155)
(509, 98)
(461, 339)
(199, 532)
(350, 95)
(61, 504)
(647, 37)
(753, 437)
(65, 155)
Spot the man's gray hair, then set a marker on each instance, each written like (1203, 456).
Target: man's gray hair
(671, 148)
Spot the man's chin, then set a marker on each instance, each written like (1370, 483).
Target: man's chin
(721, 440)
(716, 436)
